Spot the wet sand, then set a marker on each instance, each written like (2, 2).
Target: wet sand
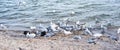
(15, 40)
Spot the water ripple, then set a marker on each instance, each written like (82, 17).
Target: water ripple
(44, 11)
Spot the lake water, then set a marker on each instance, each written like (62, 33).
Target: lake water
(33, 12)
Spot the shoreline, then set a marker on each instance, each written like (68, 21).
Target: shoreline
(15, 40)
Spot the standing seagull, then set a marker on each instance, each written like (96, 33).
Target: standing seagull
(49, 34)
(67, 20)
(88, 31)
(53, 26)
(77, 25)
(67, 32)
(38, 33)
(114, 38)
(118, 31)
(59, 23)
(109, 23)
(97, 35)
(97, 21)
(91, 40)
(76, 37)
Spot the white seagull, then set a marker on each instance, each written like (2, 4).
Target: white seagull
(53, 26)
(32, 27)
(97, 35)
(32, 35)
(88, 31)
(77, 25)
(67, 32)
(118, 31)
(78, 22)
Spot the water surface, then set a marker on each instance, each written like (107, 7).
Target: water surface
(34, 12)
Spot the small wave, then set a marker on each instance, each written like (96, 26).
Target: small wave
(15, 16)
(42, 11)
(89, 5)
(4, 11)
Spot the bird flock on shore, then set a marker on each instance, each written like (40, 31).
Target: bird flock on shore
(95, 32)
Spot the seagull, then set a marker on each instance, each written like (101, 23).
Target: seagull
(78, 22)
(29, 35)
(39, 29)
(76, 37)
(32, 35)
(77, 25)
(85, 31)
(83, 27)
(49, 29)
(67, 20)
(38, 33)
(103, 28)
(3, 26)
(97, 35)
(118, 31)
(67, 32)
(97, 21)
(32, 27)
(88, 31)
(53, 26)
(109, 23)
(68, 27)
(59, 23)
(91, 40)
(91, 27)
(49, 34)
(114, 38)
